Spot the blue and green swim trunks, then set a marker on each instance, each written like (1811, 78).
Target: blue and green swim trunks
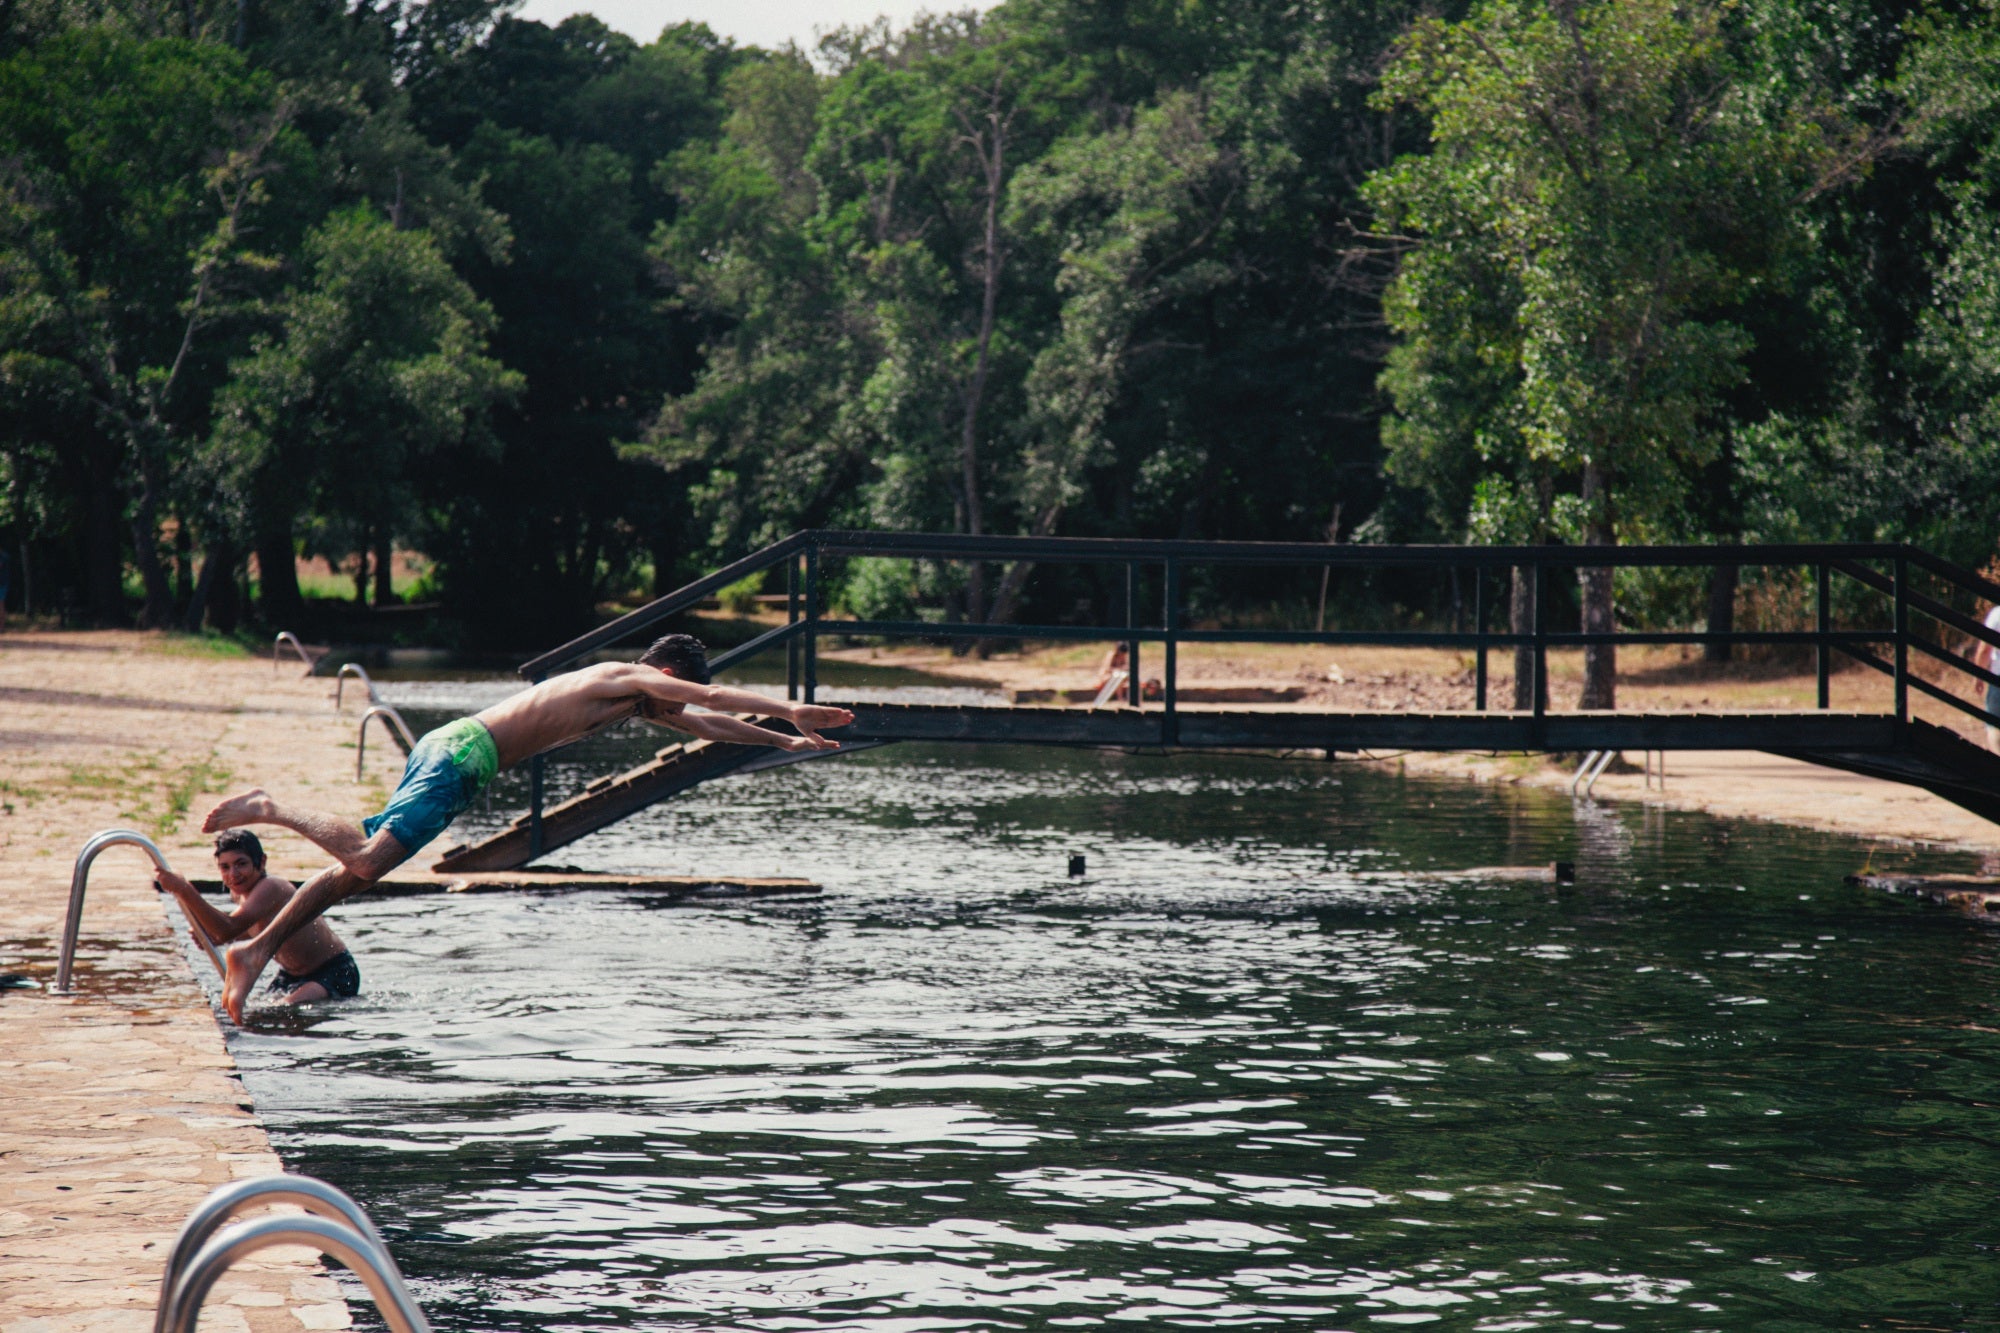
(448, 768)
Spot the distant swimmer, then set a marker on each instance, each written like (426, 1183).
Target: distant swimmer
(312, 964)
(450, 767)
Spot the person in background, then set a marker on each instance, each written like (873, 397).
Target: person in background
(312, 963)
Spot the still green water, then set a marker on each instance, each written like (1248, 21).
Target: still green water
(1263, 1067)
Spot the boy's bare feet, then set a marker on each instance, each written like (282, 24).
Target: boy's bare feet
(250, 807)
(243, 963)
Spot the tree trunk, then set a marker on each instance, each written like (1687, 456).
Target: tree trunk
(385, 571)
(183, 564)
(1007, 597)
(278, 574)
(1521, 620)
(204, 588)
(1721, 612)
(159, 610)
(361, 577)
(104, 590)
(992, 152)
(225, 607)
(1600, 660)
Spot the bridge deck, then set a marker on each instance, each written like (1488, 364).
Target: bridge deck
(1920, 753)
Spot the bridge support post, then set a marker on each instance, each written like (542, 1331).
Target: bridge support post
(1822, 653)
(1479, 628)
(792, 618)
(1170, 723)
(1541, 655)
(810, 650)
(1902, 641)
(1134, 691)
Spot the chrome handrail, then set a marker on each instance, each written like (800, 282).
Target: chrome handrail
(225, 1201)
(1591, 770)
(363, 1254)
(388, 715)
(285, 636)
(340, 682)
(79, 880)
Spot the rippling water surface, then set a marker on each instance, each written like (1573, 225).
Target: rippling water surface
(1265, 1066)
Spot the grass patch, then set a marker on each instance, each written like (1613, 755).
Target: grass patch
(208, 643)
(186, 783)
(11, 791)
(154, 797)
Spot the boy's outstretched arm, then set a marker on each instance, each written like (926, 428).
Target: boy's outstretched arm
(810, 719)
(722, 727)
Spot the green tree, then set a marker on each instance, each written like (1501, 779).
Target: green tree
(378, 373)
(1615, 187)
(136, 175)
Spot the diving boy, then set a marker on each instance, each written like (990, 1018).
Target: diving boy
(450, 767)
(312, 964)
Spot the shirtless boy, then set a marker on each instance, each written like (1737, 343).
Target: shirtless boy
(450, 767)
(312, 965)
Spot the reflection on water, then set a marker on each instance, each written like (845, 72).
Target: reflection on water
(1253, 1071)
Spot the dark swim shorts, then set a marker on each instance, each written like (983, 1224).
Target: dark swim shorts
(448, 768)
(338, 974)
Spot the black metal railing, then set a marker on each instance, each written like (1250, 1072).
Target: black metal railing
(1878, 575)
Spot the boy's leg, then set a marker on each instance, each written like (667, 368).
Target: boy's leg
(305, 994)
(245, 960)
(343, 840)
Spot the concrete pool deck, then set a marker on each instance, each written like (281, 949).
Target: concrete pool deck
(123, 1108)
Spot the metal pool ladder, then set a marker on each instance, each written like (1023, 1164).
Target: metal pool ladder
(79, 880)
(340, 681)
(389, 717)
(335, 1226)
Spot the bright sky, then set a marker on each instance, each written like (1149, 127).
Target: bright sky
(766, 23)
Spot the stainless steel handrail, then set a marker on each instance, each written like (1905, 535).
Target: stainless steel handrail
(340, 682)
(285, 636)
(388, 715)
(363, 1254)
(79, 880)
(225, 1201)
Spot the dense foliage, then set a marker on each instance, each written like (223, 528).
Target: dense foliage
(564, 311)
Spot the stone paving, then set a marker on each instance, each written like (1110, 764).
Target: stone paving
(122, 1108)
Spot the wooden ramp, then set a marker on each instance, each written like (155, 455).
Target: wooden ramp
(613, 797)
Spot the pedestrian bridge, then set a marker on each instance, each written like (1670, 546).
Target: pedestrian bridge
(1892, 609)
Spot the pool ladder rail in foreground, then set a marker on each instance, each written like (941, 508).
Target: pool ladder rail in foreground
(209, 1245)
(79, 880)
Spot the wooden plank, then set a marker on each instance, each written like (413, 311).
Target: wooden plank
(605, 802)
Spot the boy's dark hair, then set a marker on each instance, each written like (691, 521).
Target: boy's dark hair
(240, 840)
(681, 654)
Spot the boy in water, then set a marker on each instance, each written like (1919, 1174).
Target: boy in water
(450, 767)
(312, 965)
